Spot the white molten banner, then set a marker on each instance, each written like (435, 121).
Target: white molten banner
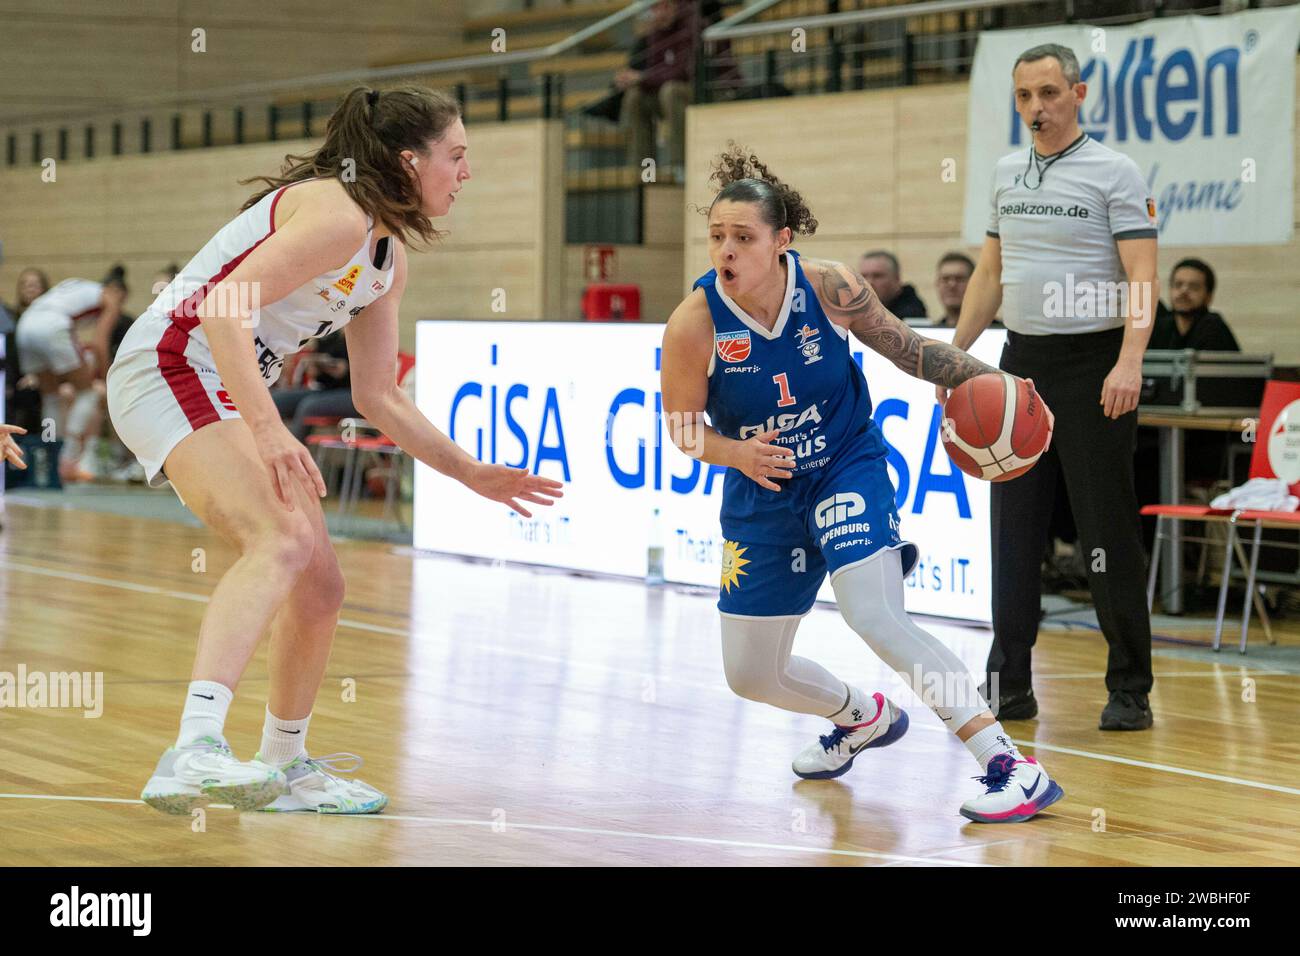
(1204, 105)
(581, 403)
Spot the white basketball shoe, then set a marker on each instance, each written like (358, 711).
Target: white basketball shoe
(312, 787)
(204, 771)
(1015, 791)
(834, 753)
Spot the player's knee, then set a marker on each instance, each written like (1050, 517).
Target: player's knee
(289, 541)
(745, 680)
(866, 621)
(324, 586)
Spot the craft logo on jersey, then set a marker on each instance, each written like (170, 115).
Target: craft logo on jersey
(376, 287)
(733, 346)
(348, 282)
(732, 564)
(809, 344)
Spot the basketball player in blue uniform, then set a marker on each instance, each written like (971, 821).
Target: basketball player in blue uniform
(761, 346)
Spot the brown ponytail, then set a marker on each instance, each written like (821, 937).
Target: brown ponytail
(742, 178)
(371, 128)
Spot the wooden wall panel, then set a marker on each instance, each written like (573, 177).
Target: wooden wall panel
(506, 230)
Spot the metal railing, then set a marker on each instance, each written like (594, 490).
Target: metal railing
(487, 85)
(878, 47)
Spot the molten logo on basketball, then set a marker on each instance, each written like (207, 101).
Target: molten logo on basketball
(733, 346)
(994, 426)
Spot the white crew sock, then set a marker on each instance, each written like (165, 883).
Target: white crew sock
(989, 742)
(857, 709)
(206, 703)
(283, 740)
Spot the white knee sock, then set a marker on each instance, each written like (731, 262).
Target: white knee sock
(870, 597)
(206, 703)
(756, 656)
(283, 740)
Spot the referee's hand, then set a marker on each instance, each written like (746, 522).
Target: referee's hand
(1120, 391)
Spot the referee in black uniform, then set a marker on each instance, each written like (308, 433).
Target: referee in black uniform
(1070, 256)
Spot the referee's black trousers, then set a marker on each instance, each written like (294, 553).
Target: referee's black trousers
(1095, 455)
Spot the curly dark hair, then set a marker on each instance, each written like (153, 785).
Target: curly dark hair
(741, 177)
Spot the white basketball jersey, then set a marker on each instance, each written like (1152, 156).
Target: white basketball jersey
(323, 305)
(71, 299)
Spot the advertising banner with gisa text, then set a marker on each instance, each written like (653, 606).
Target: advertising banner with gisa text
(1204, 105)
(580, 402)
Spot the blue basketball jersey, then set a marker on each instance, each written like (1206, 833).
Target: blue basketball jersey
(800, 377)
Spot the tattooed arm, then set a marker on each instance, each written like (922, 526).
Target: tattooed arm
(850, 303)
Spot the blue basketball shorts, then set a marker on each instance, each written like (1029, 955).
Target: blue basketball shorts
(779, 546)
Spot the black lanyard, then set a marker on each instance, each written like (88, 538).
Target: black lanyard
(1036, 162)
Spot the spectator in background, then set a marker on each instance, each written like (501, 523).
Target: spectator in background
(880, 269)
(72, 387)
(658, 84)
(950, 278)
(1191, 324)
(22, 397)
(324, 391)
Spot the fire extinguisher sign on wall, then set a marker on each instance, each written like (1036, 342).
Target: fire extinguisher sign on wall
(600, 262)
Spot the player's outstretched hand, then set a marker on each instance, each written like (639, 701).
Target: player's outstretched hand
(9, 450)
(763, 461)
(512, 485)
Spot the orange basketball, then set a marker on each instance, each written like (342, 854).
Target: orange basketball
(995, 426)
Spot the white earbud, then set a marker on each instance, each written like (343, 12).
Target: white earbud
(412, 162)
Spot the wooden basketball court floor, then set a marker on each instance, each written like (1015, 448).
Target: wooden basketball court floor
(517, 716)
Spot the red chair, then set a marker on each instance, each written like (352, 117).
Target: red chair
(372, 453)
(357, 439)
(1279, 417)
(1277, 395)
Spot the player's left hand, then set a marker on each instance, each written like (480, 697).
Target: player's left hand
(1120, 391)
(512, 485)
(9, 450)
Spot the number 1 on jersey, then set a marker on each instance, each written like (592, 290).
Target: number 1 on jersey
(783, 383)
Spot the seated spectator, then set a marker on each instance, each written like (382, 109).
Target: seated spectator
(325, 391)
(1190, 324)
(880, 269)
(951, 277)
(659, 83)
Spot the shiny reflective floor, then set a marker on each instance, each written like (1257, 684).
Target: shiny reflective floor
(518, 716)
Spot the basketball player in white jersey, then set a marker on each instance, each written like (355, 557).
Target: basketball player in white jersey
(323, 247)
(47, 349)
